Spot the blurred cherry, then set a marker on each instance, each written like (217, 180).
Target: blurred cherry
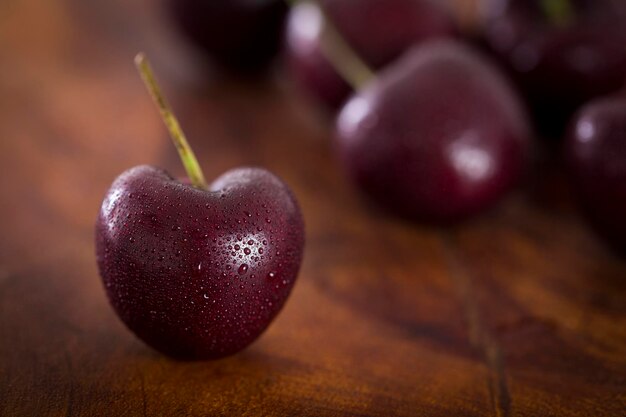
(561, 52)
(238, 35)
(596, 153)
(378, 31)
(439, 136)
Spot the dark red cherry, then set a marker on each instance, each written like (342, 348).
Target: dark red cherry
(198, 273)
(240, 35)
(596, 153)
(379, 31)
(561, 52)
(438, 136)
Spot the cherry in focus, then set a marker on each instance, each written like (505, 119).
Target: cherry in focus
(197, 271)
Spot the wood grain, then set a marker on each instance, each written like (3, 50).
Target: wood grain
(519, 313)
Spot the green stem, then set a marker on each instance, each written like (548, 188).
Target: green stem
(559, 12)
(339, 52)
(178, 137)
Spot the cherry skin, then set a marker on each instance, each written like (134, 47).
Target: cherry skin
(198, 274)
(596, 155)
(560, 64)
(438, 136)
(239, 35)
(379, 31)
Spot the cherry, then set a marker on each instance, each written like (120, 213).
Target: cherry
(596, 155)
(378, 31)
(194, 271)
(438, 136)
(239, 35)
(561, 52)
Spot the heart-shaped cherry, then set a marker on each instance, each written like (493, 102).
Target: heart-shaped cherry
(561, 52)
(378, 31)
(596, 154)
(438, 136)
(197, 272)
(239, 35)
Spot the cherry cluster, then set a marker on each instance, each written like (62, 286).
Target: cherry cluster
(433, 122)
(436, 121)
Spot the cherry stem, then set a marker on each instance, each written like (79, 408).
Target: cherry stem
(467, 14)
(559, 12)
(339, 52)
(178, 137)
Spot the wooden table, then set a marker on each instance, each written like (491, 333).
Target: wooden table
(519, 313)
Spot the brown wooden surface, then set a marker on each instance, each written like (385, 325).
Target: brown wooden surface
(520, 313)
